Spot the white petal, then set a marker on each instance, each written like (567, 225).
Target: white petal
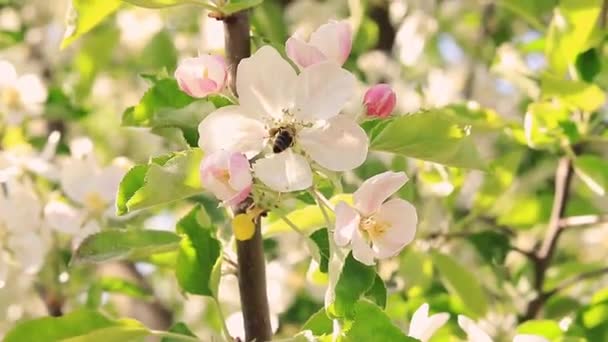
(31, 89)
(402, 219)
(108, 180)
(361, 249)
(230, 129)
(529, 338)
(422, 326)
(74, 176)
(322, 91)
(338, 145)
(8, 74)
(473, 331)
(29, 249)
(347, 221)
(334, 39)
(240, 173)
(21, 209)
(376, 190)
(284, 172)
(63, 217)
(302, 53)
(265, 83)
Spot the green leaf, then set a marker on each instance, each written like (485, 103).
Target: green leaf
(166, 106)
(593, 171)
(377, 293)
(319, 323)
(122, 286)
(198, 254)
(77, 326)
(178, 328)
(123, 244)
(546, 328)
(321, 240)
(542, 124)
(233, 6)
(164, 179)
(159, 52)
(428, 135)
(354, 281)
(530, 11)
(267, 20)
(85, 15)
(462, 284)
(158, 3)
(578, 94)
(492, 245)
(372, 324)
(589, 65)
(571, 32)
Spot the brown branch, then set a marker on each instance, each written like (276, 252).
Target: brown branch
(563, 178)
(250, 253)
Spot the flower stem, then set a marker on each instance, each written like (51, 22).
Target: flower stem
(250, 253)
(223, 319)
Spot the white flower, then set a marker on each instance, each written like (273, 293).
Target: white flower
(22, 243)
(275, 101)
(19, 95)
(330, 42)
(227, 176)
(374, 228)
(423, 326)
(473, 331)
(529, 338)
(201, 76)
(90, 186)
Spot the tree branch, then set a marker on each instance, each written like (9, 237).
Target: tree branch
(250, 253)
(576, 279)
(563, 178)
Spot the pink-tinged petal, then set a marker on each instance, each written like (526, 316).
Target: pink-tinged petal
(347, 222)
(201, 76)
(239, 197)
(302, 53)
(380, 100)
(401, 217)
(376, 190)
(214, 175)
(473, 331)
(338, 144)
(265, 83)
(230, 128)
(239, 171)
(334, 40)
(284, 172)
(322, 91)
(361, 249)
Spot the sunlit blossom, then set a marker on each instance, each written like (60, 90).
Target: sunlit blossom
(330, 42)
(201, 76)
(376, 229)
(20, 96)
(423, 326)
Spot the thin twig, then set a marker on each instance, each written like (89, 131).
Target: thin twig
(576, 279)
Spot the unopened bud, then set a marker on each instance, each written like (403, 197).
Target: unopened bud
(380, 100)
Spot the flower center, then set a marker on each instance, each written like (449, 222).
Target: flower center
(94, 202)
(223, 176)
(373, 227)
(11, 98)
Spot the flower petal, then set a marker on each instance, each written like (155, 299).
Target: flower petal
(302, 53)
(338, 145)
(361, 249)
(8, 74)
(213, 166)
(376, 190)
(63, 217)
(401, 217)
(423, 326)
(230, 128)
(334, 39)
(529, 338)
(238, 169)
(322, 90)
(284, 172)
(266, 83)
(347, 221)
(473, 331)
(31, 89)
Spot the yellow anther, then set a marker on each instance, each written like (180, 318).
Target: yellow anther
(373, 227)
(11, 98)
(243, 226)
(95, 203)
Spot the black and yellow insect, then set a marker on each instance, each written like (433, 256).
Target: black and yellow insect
(282, 138)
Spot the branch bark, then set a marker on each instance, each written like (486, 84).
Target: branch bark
(250, 253)
(563, 178)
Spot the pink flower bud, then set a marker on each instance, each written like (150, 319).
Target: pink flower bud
(380, 100)
(330, 42)
(201, 76)
(227, 175)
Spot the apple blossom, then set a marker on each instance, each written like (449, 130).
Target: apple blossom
(380, 100)
(227, 176)
(423, 326)
(375, 228)
(476, 334)
(330, 42)
(273, 99)
(19, 95)
(203, 75)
